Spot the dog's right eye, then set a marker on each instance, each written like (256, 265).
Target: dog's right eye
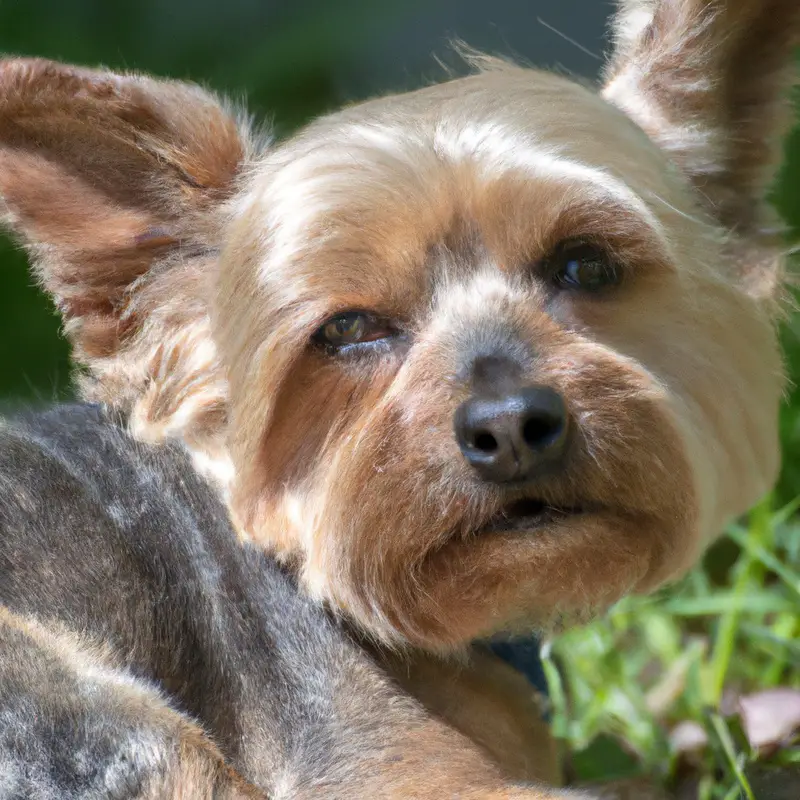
(584, 266)
(352, 328)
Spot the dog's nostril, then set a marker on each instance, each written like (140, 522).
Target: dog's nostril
(539, 430)
(485, 441)
(514, 437)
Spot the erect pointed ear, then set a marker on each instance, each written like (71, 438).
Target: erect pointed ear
(115, 185)
(708, 81)
(103, 174)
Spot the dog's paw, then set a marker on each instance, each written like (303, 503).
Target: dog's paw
(72, 725)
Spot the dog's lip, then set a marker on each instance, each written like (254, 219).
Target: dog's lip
(528, 514)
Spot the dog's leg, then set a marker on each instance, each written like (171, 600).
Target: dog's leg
(72, 725)
(491, 703)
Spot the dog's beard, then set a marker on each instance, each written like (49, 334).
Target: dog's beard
(407, 541)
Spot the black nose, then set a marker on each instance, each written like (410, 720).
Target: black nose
(516, 437)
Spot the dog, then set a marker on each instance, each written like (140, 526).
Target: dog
(145, 653)
(467, 361)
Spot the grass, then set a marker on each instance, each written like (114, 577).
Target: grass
(619, 685)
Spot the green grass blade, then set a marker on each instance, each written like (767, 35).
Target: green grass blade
(756, 551)
(725, 739)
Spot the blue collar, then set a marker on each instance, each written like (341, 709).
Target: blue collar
(524, 655)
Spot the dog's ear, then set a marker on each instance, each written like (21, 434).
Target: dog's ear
(115, 185)
(101, 175)
(708, 81)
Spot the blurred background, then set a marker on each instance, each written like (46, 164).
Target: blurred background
(735, 621)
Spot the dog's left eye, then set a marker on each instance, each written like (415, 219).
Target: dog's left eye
(583, 266)
(352, 327)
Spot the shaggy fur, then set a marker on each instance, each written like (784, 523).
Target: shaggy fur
(129, 611)
(196, 263)
(193, 263)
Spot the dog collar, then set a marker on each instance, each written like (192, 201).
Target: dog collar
(525, 656)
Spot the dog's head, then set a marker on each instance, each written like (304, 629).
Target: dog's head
(486, 355)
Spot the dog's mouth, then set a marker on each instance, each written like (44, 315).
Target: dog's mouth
(528, 514)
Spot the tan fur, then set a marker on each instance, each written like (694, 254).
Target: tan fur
(191, 289)
(193, 263)
(665, 459)
(491, 703)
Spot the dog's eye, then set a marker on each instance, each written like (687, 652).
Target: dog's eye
(583, 266)
(352, 327)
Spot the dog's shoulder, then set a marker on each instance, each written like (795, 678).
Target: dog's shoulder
(85, 440)
(77, 462)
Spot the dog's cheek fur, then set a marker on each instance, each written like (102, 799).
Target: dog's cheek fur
(726, 375)
(280, 503)
(713, 350)
(397, 546)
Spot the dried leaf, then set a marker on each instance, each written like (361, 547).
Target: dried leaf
(688, 737)
(770, 716)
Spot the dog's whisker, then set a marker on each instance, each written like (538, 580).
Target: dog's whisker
(568, 39)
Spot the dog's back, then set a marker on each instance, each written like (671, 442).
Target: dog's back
(111, 585)
(128, 610)
(109, 543)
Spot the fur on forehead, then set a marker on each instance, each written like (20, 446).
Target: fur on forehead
(193, 262)
(430, 153)
(376, 187)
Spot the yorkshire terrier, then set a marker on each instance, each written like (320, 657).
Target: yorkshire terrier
(469, 361)
(145, 653)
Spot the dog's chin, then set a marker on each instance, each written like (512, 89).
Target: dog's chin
(532, 565)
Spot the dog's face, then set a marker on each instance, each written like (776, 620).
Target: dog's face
(493, 368)
(480, 357)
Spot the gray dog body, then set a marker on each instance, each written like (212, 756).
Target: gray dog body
(117, 542)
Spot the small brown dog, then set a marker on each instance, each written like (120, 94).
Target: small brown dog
(474, 359)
